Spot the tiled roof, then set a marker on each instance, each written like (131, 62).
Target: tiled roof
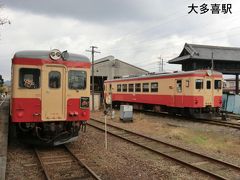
(204, 52)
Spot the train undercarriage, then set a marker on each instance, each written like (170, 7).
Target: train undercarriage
(47, 133)
(207, 112)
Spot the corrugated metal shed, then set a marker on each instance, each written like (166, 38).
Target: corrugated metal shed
(231, 103)
(113, 68)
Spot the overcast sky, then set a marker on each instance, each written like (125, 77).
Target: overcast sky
(135, 31)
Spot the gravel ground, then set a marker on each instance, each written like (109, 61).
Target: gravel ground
(215, 141)
(22, 163)
(61, 165)
(122, 160)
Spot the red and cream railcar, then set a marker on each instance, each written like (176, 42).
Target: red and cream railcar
(50, 95)
(188, 93)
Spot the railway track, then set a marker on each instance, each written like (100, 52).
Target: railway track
(206, 121)
(61, 163)
(211, 166)
(221, 123)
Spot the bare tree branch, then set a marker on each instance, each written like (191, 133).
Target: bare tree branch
(4, 20)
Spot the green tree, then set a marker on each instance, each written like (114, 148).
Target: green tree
(1, 81)
(2, 90)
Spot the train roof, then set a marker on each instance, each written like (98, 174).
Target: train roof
(38, 54)
(169, 75)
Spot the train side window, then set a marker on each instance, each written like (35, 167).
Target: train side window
(137, 87)
(199, 84)
(77, 79)
(154, 87)
(54, 79)
(208, 84)
(217, 84)
(145, 87)
(124, 87)
(29, 78)
(179, 86)
(130, 87)
(119, 86)
(187, 83)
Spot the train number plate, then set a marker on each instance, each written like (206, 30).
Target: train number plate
(84, 102)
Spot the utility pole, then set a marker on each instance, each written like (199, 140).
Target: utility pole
(212, 63)
(93, 51)
(160, 63)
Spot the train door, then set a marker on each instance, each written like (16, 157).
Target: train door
(53, 93)
(208, 92)
(109, 94)
(178, 93)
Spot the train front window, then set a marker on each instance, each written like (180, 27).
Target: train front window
(199, 84)
(54, 79)
(29, 78)
(77, 79)
(217, 84)
(208, 84)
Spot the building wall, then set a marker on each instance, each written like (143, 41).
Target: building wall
(102, 69)
(122, 69)
(221, 66)
(110, 68)
(116, 68)
(230, 86)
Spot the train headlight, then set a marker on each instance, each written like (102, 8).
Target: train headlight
(55, 54)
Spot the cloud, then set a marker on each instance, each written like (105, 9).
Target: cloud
(103, 11)
(135, 31)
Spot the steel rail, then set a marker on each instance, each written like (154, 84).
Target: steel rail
(42, 164)
(209, 159)
(206, 121)
(80, 163)
(222, 123)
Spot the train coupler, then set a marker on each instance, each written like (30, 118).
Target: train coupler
(83, 126)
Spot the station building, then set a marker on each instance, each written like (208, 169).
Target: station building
(219, 58)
